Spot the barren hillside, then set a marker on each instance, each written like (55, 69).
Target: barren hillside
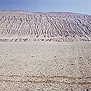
(26, 65)
(37, 26)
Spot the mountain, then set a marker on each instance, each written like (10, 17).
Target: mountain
(40, 26)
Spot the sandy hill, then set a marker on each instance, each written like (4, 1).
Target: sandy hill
(38, 26)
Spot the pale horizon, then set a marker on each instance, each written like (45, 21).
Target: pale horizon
(73, 6)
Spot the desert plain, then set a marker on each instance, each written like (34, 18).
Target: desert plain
(35, 57)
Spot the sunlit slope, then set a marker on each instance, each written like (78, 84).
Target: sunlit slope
(38, 26)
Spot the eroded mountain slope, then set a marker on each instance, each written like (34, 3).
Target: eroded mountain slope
(30, 26)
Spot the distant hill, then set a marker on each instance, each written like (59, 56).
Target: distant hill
(39, 26)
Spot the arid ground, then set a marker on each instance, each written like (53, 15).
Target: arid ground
(45, 66)
(45, 51)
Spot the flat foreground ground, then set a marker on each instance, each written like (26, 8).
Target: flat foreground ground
(45, 66)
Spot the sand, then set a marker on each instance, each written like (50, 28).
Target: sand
(45, 66)
(45, 51)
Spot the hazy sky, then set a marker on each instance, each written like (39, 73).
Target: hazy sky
(78, 6)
